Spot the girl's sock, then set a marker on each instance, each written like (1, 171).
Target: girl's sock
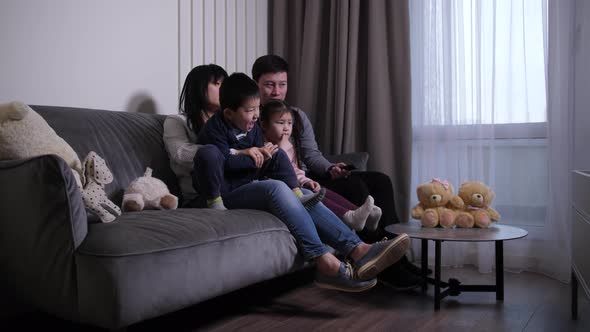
(356, 219)
(374, 217)
(216, 203)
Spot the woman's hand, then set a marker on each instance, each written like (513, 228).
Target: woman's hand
(313, 186)
(337, 172)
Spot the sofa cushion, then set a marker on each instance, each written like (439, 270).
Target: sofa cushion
(150, 263)
(128, 142)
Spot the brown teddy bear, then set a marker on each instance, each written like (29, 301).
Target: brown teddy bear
(477, 211)
(437, 204)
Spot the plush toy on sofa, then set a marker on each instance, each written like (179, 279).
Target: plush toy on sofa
(25, 134)
(437, 204)
(147, 192)
(96, 176)
(477, 211)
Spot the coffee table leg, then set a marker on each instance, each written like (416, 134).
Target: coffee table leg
(437, 275)
(499, 270)
(424, 271)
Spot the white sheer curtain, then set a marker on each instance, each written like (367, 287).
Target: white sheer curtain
(479, 83)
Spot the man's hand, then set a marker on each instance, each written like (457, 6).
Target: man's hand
(313, 186)
(337, 172)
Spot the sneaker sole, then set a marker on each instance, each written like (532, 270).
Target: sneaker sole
(388, 256)
(344, 289)
(315, 200)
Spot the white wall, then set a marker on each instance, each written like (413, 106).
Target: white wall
(582, 82)
(125, 55)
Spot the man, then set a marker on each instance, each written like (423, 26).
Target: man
(271, 73)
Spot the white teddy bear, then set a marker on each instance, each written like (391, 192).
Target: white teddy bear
(147, 192)
(25, 134)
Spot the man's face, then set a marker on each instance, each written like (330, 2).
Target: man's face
(245, 117)
(273, 86)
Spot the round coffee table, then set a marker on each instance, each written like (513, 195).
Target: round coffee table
(496, 233)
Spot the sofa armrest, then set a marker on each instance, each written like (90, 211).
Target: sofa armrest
(42, 222)
(358, 159)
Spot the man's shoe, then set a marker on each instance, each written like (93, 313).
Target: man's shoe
(400, 279)
(381, 255)
(413, 268)
(311, 200)
(344, 281)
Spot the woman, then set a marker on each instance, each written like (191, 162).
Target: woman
(311, 229)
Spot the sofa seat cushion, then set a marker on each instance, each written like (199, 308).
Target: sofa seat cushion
(151, 231)
(149, 263)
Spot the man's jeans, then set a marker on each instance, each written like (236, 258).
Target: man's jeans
(311, 229)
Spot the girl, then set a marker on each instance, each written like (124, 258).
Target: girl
(281, 127)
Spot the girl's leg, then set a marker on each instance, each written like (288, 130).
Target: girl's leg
(340, 200)
(333, 206)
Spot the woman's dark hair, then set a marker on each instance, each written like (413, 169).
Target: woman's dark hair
(236, 89)
(269, 64)
(193, 100)
(276, 106)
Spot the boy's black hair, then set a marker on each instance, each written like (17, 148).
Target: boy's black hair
(236, 90)
(193, 99)
(269, 64)
(273, 106)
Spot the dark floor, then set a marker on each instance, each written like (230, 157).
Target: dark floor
(532, 303)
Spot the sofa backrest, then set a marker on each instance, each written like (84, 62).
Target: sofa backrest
(128, 142)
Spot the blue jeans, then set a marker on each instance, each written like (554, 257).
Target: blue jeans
(311, 229)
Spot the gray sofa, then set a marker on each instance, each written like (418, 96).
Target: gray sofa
(56, 258)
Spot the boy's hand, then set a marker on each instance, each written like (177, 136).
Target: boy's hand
(313, 186)
(255, 154)
(337, 172)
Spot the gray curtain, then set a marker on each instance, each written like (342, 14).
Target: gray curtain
(349, 70)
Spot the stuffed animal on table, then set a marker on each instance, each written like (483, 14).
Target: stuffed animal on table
(437, 204)
(96, 176)
(477, 211)
(147, 192)
(25, 134)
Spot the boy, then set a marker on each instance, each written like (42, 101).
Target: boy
(237, 154)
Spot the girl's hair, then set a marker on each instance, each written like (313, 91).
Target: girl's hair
(193, 100)
(275, 106)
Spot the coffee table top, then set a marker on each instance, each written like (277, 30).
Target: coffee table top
(495, 232)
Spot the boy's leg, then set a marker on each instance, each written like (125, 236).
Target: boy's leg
(279, 168)
(208, 177)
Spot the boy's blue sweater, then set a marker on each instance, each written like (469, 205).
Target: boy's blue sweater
(219, 132)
